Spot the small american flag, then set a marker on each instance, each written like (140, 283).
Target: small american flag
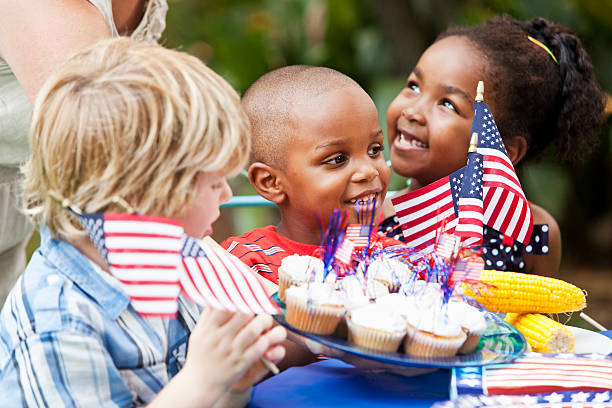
(154, 260)
(429, 211)
(467, 269)
(142, 252)
(345, 251)
(447, 245)
(506, 208)
(213, 277)
(359, 234)
(470, 223)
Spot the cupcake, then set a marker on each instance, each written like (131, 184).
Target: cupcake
(432, 334)
(296, 269)
(472, 322)
(315, 308)
(359, 293)
(354, 292)
(389, 271)
(376, 327)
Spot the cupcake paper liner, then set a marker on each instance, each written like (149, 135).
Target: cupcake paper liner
(471, 342)
(318, 319)
(374, 338)
(424, 344)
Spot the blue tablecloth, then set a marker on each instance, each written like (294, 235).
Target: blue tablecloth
(333, 383)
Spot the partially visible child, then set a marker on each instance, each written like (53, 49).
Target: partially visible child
(317, 145)
(160, 130)
(540, 92)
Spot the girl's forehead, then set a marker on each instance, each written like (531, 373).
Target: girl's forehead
(452, 61)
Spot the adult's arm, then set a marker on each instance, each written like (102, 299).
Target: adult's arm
(37, 35)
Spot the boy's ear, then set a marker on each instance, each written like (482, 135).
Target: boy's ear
(266, 181)
(516, 146)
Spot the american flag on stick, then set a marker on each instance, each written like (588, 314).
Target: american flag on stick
(506, 207)
(435, 208)
(213, 277)
(359, 234)
(154, 260)
(468, 269)
(345, 251)
(143, 253)
(429, 211)
(469, 204)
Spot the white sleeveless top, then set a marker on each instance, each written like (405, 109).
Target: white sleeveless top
(15, 108)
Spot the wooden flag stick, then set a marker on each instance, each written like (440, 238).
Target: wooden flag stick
(592, 321)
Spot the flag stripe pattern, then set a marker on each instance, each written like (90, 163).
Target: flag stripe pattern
(535, 373)
(154, 260)
(345, 251)
(467, 269)
(470, 206)
(213, 277)
(142, 253)
(359, 234)
(544, 374)
(507, 207)
(427, 212)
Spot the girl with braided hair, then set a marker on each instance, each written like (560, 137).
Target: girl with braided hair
(541, 87)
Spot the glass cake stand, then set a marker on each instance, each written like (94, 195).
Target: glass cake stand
(500, 343)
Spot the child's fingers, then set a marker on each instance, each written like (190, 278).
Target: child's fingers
(252, 330)
(276, 353)
(234, 326)
(264, 342)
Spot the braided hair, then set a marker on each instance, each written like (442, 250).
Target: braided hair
(544, 101)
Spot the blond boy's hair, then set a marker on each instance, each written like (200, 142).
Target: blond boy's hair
(131, 120)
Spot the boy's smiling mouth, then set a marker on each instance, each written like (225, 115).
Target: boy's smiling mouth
(406, 141)
(365, 199)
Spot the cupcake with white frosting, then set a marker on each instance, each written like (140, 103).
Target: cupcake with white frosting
(315, 308)
(432, 334)
(376, 327)
(389, 271)
(472, 322)
(297, 269)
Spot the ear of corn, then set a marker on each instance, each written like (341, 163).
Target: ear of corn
(501, 291)
(543, 334)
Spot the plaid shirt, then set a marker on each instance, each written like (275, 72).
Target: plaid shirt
(68, 337)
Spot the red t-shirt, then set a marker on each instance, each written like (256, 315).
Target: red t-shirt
(263, 249)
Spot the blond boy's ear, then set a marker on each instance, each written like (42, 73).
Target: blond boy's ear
(516, 147)
(266, 181)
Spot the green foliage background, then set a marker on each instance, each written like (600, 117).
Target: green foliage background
(377, 43)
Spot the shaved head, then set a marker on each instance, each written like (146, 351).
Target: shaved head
(273, 103)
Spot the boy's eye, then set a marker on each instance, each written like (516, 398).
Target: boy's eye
(375, 150)
(449, 105)
(413, 87)
(336, 160)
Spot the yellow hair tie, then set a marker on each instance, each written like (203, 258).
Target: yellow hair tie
(543, 46)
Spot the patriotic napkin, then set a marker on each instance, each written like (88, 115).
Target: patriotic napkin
(537, 373)
(155, 260)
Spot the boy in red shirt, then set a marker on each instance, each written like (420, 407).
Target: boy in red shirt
(317, 145)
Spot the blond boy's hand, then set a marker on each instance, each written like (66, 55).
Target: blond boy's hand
(225, 347)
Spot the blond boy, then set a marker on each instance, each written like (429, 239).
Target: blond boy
(158, 130)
